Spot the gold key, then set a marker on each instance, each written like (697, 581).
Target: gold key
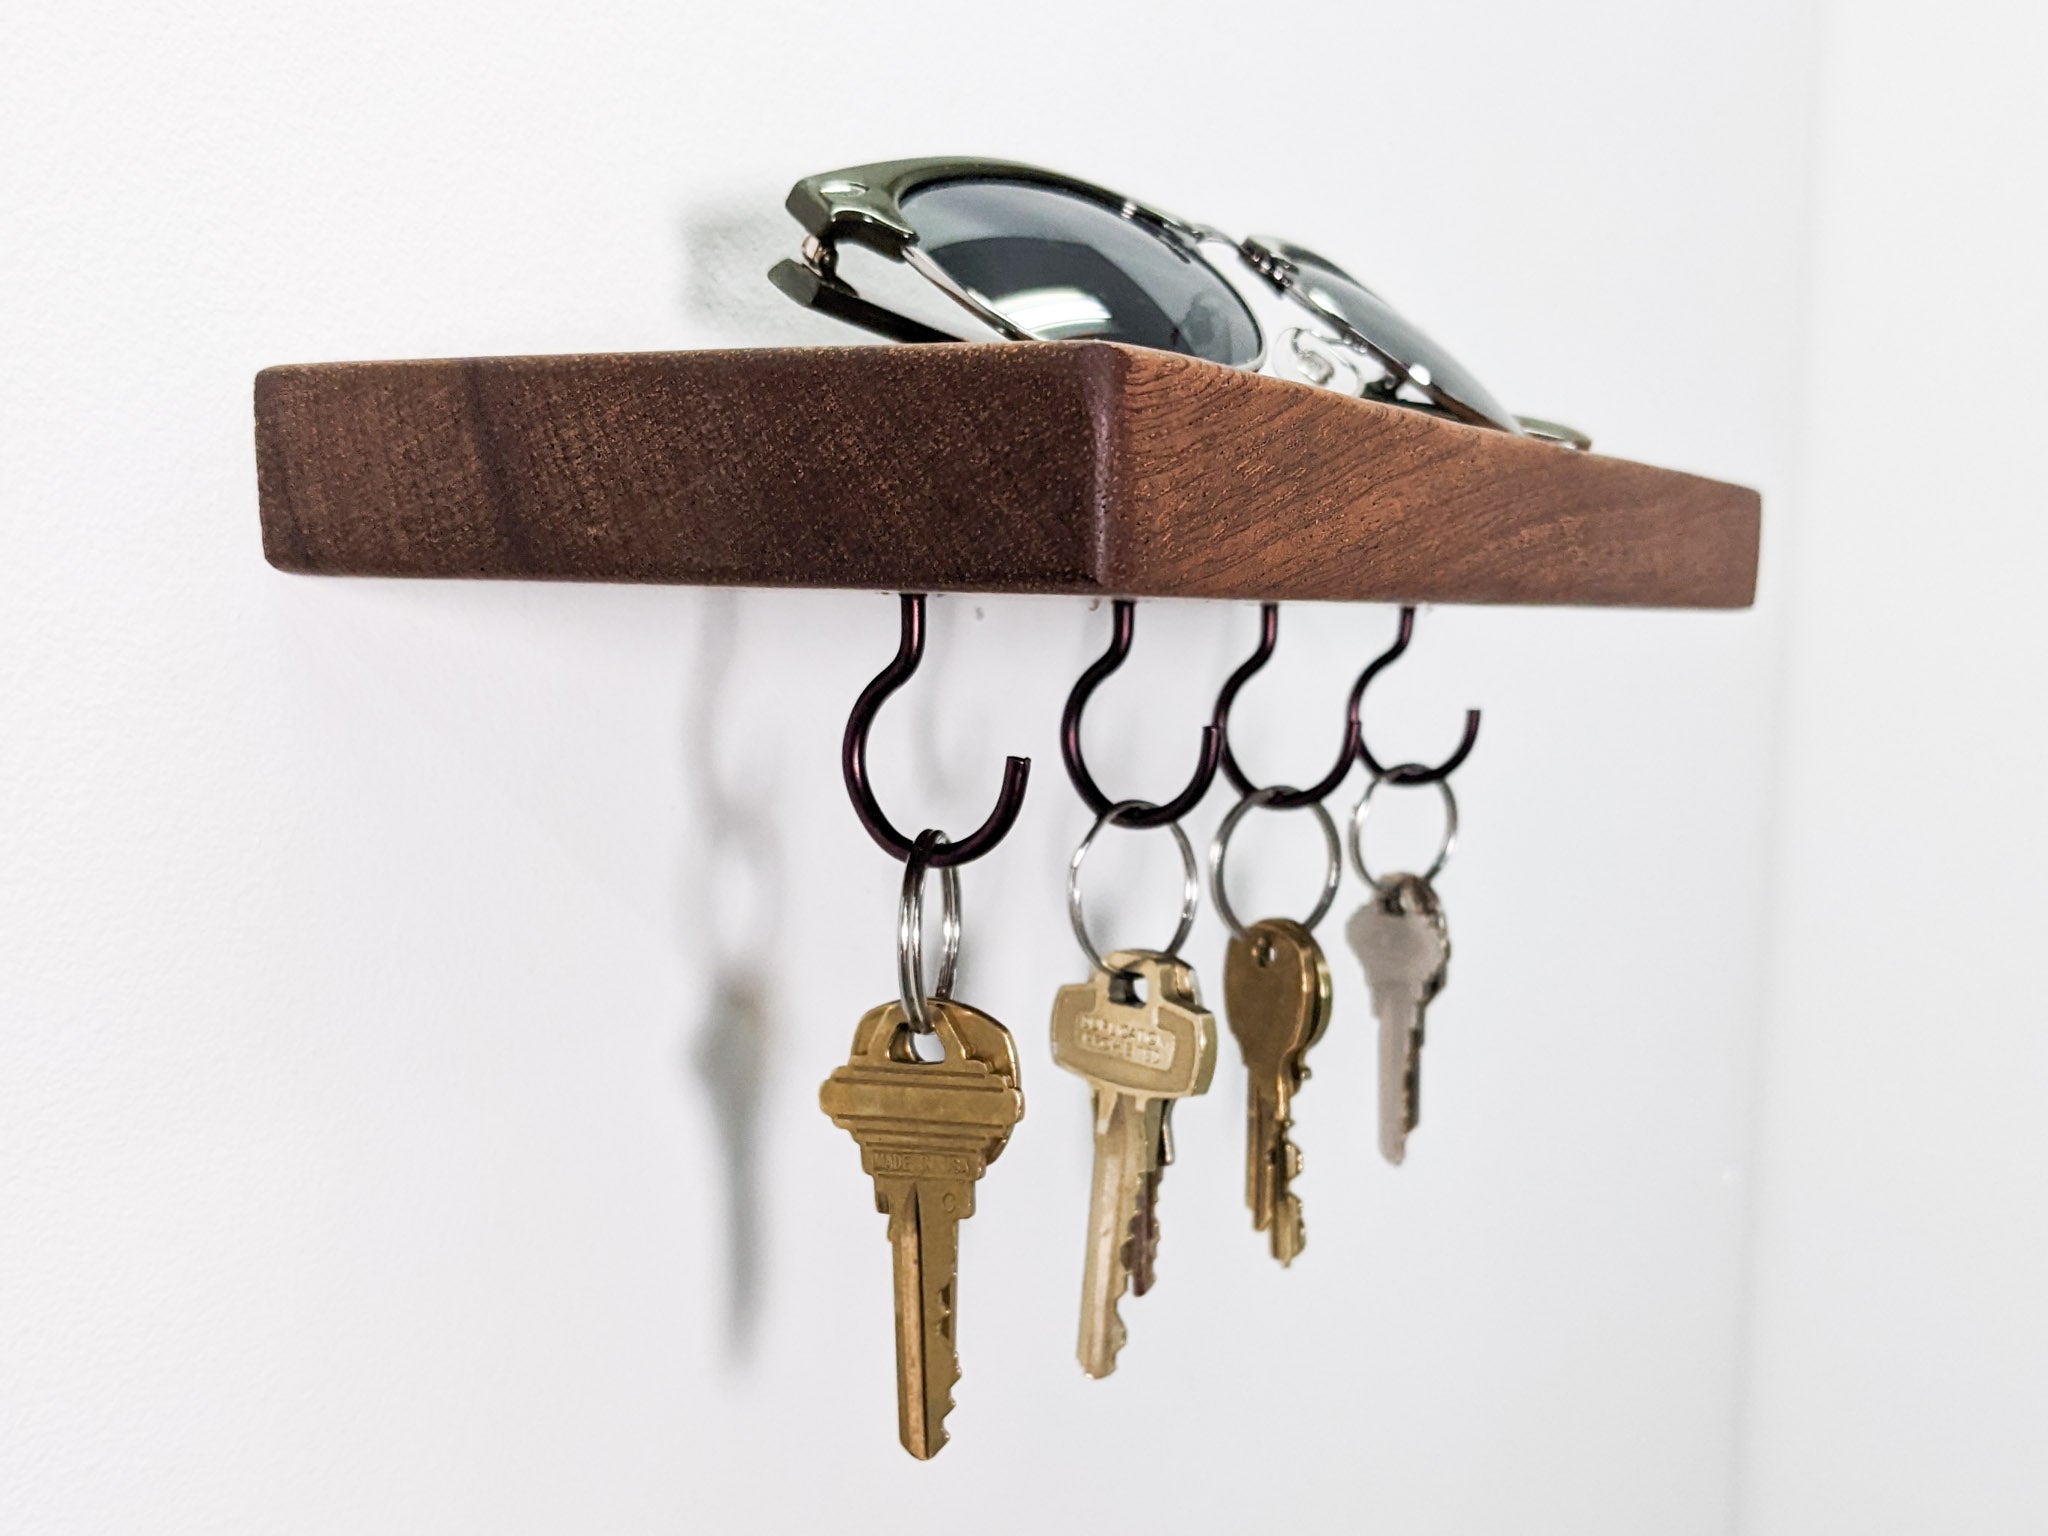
(1137, 1032)
(1276, 994)
(927, 1131)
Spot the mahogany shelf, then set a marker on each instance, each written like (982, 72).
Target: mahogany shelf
(1078, 467)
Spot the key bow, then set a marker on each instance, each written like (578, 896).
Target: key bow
(1163, 1047)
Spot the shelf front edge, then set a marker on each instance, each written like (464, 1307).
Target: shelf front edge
(1075, 467)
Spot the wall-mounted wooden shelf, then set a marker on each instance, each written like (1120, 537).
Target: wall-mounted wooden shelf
(1041, 467)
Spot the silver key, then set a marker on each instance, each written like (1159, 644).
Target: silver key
(1401, 938)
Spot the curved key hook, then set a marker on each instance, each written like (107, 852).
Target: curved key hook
(1410, 773)
(1283, 798)
(853, 759)
(1070, 737)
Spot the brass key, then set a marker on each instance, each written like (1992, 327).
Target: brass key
(1276, 994)
(927, 1131)
(1137, 1032)
(1401, 937)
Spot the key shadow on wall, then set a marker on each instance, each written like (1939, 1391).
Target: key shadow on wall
(734, 854)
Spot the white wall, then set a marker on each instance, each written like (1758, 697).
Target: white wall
(398, 981)
(1898, 1362)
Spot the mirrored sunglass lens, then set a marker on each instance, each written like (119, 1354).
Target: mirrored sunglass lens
(1062, 267)
(1335, 290)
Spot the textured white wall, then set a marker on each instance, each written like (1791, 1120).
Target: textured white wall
(399, 981)
(1898, 1377)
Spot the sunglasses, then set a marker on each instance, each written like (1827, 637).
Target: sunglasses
(1038, 256)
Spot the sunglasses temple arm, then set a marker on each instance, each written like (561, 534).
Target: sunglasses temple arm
(831, 297)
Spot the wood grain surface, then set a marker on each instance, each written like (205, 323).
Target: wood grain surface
(1036, 467)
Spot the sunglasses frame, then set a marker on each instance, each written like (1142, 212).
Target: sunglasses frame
(863, 204)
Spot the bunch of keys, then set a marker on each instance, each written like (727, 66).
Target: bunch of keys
(1137, 1033)
(1402, 940)
(1276, 995)
(927, 1130)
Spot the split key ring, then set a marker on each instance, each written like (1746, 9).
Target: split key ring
(910, 930)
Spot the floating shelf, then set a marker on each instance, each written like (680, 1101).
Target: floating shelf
(1078, 467)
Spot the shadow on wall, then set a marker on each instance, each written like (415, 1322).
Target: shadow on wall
(734, 860)
(733, 856)
(728, 245)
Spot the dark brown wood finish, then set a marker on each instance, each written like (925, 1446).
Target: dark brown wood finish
(1043, 467)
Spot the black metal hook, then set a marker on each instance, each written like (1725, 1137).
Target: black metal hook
(853, 759)
(1409, 773)
(1288, 799)
(1070, 737)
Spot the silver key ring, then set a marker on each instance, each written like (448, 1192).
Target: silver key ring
(1220, 848)
(1364, 809)
(1191, 883)
(910, 930)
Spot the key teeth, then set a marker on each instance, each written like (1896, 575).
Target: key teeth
(1113, 1338)
(1290, 1232)
(939, 1435)
(946, 1318)
(1140, 1252)
(1286, 1231)
(1113, 1346)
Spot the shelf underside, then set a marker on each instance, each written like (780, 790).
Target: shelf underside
(1042, 467)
